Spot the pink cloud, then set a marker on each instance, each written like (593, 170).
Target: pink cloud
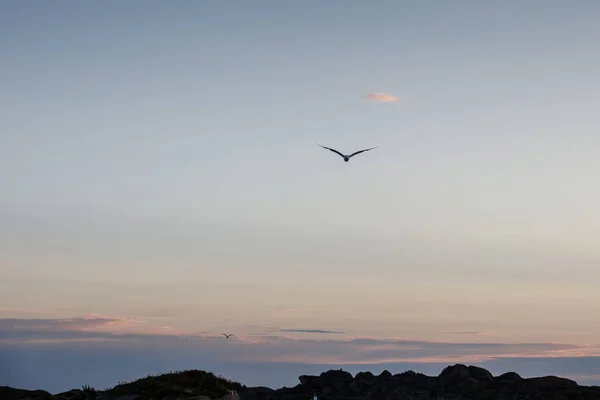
(67, 340)
(88, 323)
(374, 351)
(18, 311)
(97, 322)
(381, 97)
(273, 347)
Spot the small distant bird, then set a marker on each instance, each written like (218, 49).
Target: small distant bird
(226, 335)
(345, 156)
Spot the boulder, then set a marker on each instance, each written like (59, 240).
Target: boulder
(509, 377)
(10, 393)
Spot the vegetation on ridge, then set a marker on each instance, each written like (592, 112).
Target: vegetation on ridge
(191, 382)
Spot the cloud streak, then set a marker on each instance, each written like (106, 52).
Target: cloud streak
(278, 348)
(77, 328)
(17, 311)
(381, 97)
(85, 323)
(117, 354)
(309, 331)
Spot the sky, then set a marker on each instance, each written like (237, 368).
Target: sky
(161, 182)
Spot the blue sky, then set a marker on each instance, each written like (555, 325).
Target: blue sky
(159, 168)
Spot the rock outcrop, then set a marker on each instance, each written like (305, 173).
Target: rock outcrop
(8, 393)
(455, 382)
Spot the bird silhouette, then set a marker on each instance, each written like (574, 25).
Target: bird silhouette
(347, 157)
(226, 335)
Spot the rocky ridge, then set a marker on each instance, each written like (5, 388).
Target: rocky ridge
(455, 382)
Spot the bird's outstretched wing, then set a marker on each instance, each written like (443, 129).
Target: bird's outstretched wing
(360, 151)
(334, 150)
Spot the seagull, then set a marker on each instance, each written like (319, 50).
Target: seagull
(226, 335)
(345, 156)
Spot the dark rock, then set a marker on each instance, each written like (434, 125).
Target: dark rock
(77, 394)
(9, 393)
(479, 374)
(307, 379)
(551, 382)
(509, 377)
(257, 393)
(337, 375)
(454, 372)
(455, 382)
(364, 381)
(124, 397)
(385, 374)
(414, 379)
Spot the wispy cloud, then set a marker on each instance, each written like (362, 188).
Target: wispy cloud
(76, 328)
(104, 340)
(163, 314)
(85, 323)
(381, 97)
(281, 348)
(376, 351)
(9, 311)
(309, 331)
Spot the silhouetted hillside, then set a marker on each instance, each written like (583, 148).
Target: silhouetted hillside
(455, 382)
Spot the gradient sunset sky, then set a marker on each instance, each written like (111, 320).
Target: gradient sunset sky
(161, 181)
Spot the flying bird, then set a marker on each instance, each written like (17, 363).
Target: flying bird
(226, 335)
(345, 156)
